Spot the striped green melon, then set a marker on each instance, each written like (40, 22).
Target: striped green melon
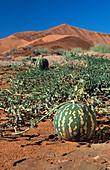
(75, 122)
(42, 63)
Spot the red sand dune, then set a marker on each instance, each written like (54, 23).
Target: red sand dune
(67, 42)
(10, 42)
(63, 36)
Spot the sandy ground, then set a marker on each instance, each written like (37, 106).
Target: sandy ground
(40, 148)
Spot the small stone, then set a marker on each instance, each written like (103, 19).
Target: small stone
(96, 157)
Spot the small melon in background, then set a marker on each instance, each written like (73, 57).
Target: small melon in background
(42, 63)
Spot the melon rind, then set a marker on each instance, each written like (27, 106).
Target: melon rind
(42, 64)
(75, 122)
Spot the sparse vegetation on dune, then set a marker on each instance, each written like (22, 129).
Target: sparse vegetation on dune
(59, 51)
(41, 50)
(102, 48)
(23, 50)
(30, 50)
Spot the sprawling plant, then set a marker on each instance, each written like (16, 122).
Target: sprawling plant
(34, 94)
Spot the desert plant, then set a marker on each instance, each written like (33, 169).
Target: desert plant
(102, 48)
(59, 51)
(30, 47)
(6, 54)
(13, 50)
(76, 50)
(24, 48)
(41, 50)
